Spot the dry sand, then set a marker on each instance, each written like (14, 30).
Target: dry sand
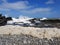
(36, 32)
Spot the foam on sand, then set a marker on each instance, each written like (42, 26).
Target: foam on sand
(36, 32)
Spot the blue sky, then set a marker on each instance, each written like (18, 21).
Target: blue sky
(31, 8)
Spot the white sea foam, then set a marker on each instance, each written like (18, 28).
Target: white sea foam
(23, 19)
(36, 32)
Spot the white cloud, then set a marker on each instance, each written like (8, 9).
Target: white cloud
(4, 1)
(50, 2)
(23, 5)
(4, 9)
(16, 5)
(37, 10)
